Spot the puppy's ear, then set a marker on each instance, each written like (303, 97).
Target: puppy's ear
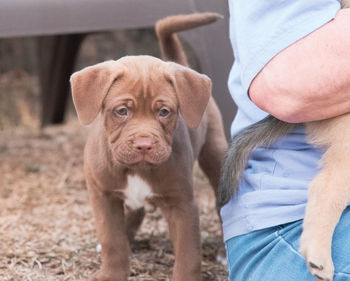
(193, 91)
(90, 86)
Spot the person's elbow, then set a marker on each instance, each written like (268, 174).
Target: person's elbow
(284, 102)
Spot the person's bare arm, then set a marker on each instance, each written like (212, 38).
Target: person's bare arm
(309, 80)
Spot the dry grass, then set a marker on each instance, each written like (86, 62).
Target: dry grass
(46, 224)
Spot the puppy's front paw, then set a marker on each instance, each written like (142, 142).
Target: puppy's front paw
(103, 276)
(318, 256)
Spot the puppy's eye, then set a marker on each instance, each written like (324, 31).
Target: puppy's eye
(164, 112)
(122, 111)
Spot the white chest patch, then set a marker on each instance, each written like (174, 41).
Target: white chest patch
(137, 192)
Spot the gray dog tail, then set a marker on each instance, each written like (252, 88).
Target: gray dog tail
(262, 133)
(166, 29)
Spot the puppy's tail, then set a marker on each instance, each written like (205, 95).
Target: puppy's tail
(166, 29)
(262, 133)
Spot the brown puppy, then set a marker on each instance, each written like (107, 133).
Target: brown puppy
(150, 120)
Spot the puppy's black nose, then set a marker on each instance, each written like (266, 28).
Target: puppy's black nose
(143, 145)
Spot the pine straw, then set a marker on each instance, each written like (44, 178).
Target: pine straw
(46, 224)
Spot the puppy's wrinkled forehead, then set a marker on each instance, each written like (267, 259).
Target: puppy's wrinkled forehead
(144, 77)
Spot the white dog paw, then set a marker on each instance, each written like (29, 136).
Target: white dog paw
(321, 272)
(318, 259)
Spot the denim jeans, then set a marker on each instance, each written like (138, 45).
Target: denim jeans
(272, 254)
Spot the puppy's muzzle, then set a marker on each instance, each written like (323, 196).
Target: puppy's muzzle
(141, 149)
(146, 150)
(143, 145)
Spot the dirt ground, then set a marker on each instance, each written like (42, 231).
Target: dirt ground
(46, 223)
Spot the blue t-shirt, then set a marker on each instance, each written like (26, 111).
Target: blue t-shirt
(274, 189)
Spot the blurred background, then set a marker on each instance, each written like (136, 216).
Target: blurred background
(46, 224)
(20, 102)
